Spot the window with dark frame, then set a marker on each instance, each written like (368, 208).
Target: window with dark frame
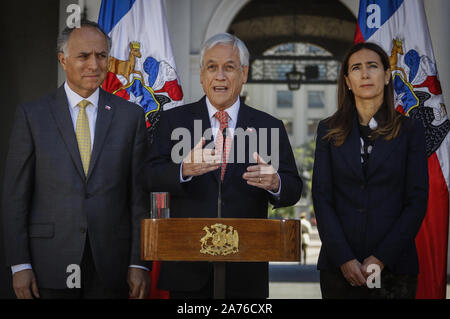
(284, 99)
(316, 99)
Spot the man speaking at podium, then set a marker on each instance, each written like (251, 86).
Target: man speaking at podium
(223, 175)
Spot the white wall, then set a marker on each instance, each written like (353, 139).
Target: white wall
(179, 26)
(437, 12)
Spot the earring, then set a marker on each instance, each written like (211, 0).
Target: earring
(349, 89)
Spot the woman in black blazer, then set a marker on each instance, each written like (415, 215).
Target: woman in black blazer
(370, 185)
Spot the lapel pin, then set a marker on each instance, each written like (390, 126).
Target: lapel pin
(107, 107)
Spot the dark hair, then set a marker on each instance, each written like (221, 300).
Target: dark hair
(63, 38)
(340, 123)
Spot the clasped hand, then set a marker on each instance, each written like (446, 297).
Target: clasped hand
(356, 273)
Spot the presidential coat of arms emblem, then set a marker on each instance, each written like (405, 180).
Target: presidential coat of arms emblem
(219, 240)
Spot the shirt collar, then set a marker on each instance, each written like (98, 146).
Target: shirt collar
(373, 124)
(73, 98)
(378, 119)
(232, 110)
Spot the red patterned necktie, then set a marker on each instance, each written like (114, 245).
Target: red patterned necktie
(222, 116)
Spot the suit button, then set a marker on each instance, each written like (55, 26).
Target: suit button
(82, 230)
(363, 186)
(87, 195)
(362, 210)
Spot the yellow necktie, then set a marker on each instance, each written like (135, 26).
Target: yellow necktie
(83, 135)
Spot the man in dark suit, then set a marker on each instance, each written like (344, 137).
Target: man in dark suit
(73, 197)
(247, 182)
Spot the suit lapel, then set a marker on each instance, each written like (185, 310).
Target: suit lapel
(381, 150)
(244, 117)
(200, 112)
(60, 110)
(351, 149)
(105, 115)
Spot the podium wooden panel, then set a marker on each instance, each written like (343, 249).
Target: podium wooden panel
(178, 239)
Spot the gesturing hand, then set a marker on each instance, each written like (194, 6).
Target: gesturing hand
(200, 161)
(262, 175)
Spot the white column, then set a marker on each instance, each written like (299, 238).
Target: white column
(178, 14)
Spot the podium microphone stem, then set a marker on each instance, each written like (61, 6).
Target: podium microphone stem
(219, 267)
(219, 199)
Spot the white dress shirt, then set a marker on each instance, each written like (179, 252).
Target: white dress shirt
(91, 112)
(232, 112)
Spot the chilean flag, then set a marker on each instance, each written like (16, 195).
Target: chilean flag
(141, 67)
(400, 28)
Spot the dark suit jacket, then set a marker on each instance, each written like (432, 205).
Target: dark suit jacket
(49, 205)
(378, 215)
(198, 198)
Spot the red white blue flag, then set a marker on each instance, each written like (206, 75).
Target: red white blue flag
(400, 28)
(141, 66)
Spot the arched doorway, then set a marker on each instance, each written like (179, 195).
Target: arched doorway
(263, 24)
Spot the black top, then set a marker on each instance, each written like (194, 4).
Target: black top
(365, 132)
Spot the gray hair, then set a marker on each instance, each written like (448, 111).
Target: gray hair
(226, 38)
(63, 38)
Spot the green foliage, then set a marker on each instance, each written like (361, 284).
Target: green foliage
(281, 213)
(304, 157)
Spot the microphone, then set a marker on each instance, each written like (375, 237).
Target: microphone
(219, 267)
(219, 198)
(224, 134)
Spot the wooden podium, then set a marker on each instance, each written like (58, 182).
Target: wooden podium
(220, 240)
